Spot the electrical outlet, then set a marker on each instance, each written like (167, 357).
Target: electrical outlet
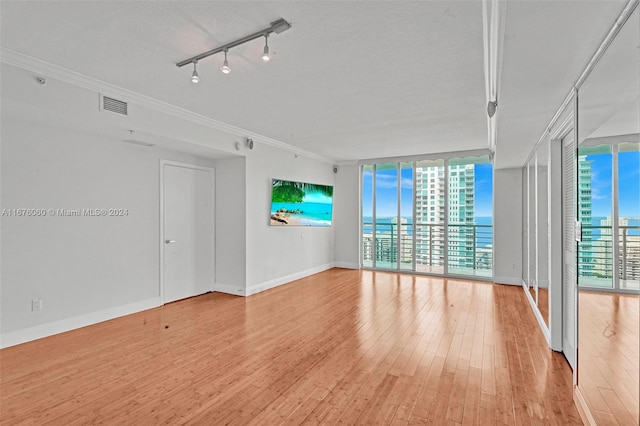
(36, 304)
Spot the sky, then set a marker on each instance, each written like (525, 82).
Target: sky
(601, 188)
(316, 197)
(387, 192)
(628, 184)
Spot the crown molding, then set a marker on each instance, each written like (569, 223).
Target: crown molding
(347, 163)
(47, 69)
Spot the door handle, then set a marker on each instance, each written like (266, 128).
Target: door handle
(169, 241)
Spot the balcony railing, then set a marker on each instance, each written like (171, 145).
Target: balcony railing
(629, 259)
(595, 256)
(469, 250)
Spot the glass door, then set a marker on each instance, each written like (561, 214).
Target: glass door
(429, 216)
(628, 195)
(470, 217)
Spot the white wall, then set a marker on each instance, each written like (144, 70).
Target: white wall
(277, 254)
(347, 208)
(231, 242)
(84, 268)
(507, 221)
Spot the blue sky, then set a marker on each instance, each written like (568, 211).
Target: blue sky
(628, 184)
(484, 190)
(387, 192)
(316, 197)
(601, 188)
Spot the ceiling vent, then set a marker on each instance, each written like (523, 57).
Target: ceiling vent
(114, 105)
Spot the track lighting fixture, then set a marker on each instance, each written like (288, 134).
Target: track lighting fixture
(195, 79)
(276, 27)
(265, 53)
(225, 65)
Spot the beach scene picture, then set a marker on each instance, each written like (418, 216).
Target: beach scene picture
(300, 204)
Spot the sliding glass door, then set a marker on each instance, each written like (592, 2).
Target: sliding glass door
(405, 215)
(609, 210)
(628, 177)
(386, 222)
(470, 217)
(429, 216)
(367, 229)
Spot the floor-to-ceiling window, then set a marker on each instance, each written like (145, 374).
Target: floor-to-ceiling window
(429, 216)
(367, 225)
(628, 177)
(406, 216)
(470, 216)
(609, 211)
(386, 214)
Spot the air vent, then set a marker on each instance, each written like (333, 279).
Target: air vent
(114, 105)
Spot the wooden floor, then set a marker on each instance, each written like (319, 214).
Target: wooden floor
(608, 372)
(342, 346)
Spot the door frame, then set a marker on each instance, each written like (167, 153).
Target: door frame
(212, 173)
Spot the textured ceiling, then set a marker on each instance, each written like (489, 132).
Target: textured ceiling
(546, 47)
(349, 80)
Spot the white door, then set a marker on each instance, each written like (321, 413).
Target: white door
(569, 255)
(187, 231)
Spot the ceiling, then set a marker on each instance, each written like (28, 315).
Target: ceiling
(350, 80)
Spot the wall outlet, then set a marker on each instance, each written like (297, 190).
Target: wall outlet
(36, 304)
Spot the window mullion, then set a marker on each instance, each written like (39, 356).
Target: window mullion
(615, 221)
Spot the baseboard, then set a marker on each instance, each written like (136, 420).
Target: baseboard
(17, 337)
(583, 409)
(346, 265)
(257, 288)
(508, 280)
(538, 315)
(236, 290)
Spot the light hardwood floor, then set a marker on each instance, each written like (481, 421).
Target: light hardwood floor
(342, 346)
(608, 372)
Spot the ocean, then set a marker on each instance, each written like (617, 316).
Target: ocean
(384, 225)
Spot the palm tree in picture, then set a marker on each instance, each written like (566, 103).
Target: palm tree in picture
(293, 192)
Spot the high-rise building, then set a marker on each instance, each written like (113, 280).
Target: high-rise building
(586, 268)
(430, 215)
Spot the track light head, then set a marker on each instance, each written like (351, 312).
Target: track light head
(265, 53)
(225, 65)
(492, 106)
(195, 78)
